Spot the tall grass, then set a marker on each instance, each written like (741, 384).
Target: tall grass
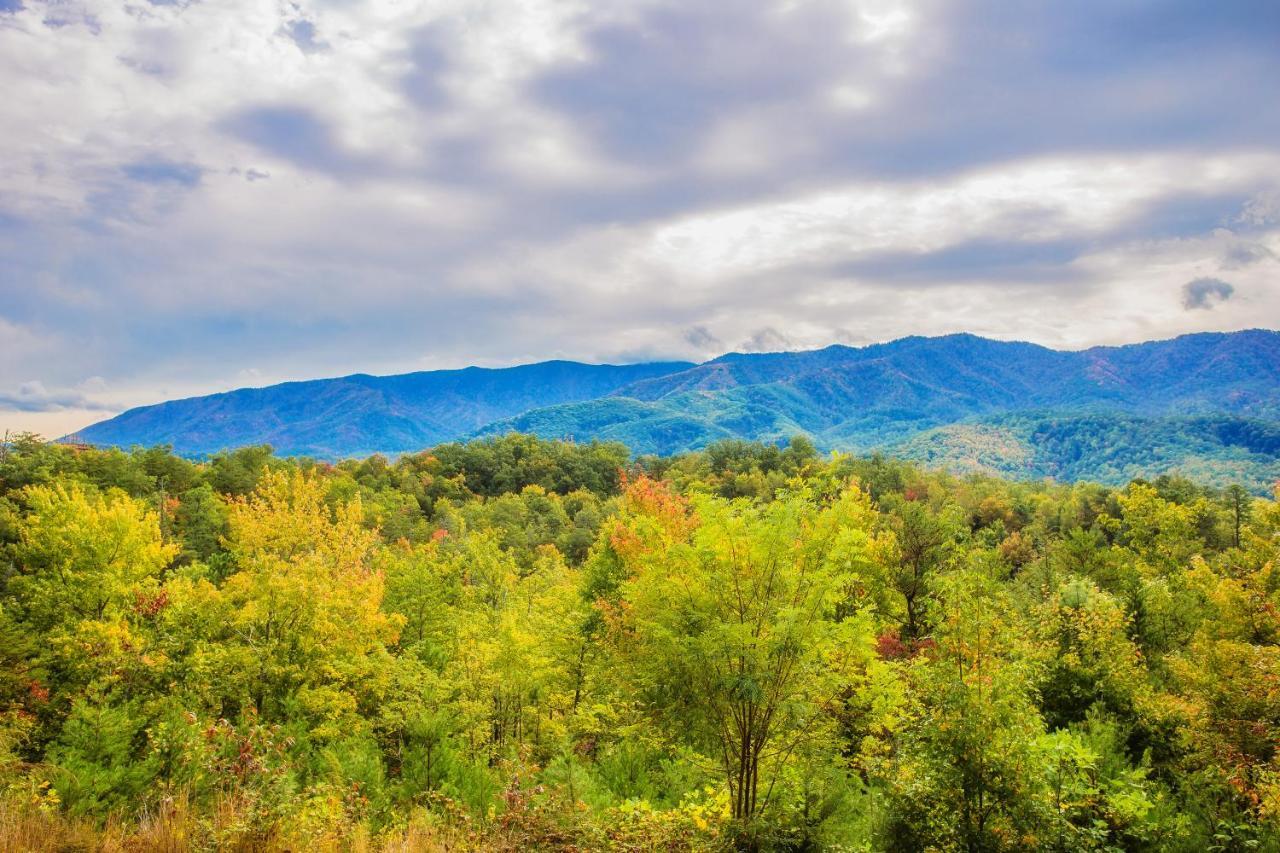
(174, 827)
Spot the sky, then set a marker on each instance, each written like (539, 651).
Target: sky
(199, 195)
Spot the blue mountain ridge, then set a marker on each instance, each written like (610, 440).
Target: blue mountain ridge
(360, 415)
(934, 398)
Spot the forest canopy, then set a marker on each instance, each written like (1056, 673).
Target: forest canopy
(523, 644)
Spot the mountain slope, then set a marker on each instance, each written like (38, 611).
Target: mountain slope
(1110, 448)
(863, 398)
(360, 414)
(959, 400)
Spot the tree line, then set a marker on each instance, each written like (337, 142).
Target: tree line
(522, 644)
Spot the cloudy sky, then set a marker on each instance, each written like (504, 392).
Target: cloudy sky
(207, 194)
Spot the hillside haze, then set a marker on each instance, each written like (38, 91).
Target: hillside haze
(959, 400)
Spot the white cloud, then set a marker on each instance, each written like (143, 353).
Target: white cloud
(714, 256)
(454, 183)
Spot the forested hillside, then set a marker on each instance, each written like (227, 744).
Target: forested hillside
(360, 415)
(526, 645)
(1105, 447)
(878, 397)
(857, 399)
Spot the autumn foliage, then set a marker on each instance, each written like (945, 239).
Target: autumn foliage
(521, 645)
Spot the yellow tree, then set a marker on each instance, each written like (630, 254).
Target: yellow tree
(305, 604)
(84, 555)
(89, 566)
(1094, 660)
(726, 627)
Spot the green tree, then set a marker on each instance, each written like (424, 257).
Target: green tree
(728, 633)
(923, 544)
(84, 555)
(967, 775)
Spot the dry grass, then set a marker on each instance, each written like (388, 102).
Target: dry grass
(174, 829)
(30, 829)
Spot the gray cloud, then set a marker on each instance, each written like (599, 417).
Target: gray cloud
(1242, 254)
(1204, 293)
(701, 338)
(299, 135)
(34, 397)
(652, 88)
(502, 186)
(989, 81)
(990, 260)
(767, 339)
(431, 57)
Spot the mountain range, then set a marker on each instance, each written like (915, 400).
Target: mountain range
(1206, 404)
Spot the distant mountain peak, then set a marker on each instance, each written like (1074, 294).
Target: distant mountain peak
(850, 397)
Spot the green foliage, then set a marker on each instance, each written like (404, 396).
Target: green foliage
(727, 626)
(99, 758)
(518, 644)
(83, 555)
(1106, 447)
